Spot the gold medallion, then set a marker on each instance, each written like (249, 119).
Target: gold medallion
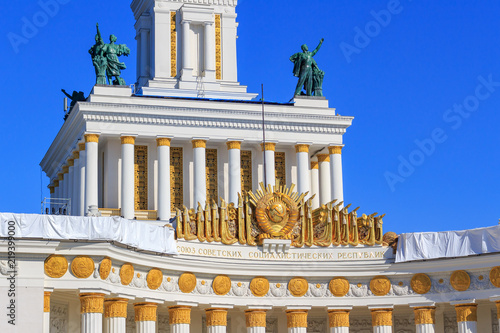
(105, 268)
(421, 283)
(221, 285)
(126, 274)
(460, 280)
(298, 287)
(259, 286)
(154, 278)
(495, 276)
(380, 285)
(55, 266)
(187, 282)
(339, 286)
(82, 267)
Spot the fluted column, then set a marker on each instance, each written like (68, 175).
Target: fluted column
(425, 319)
(336, 173)
(269, 168)
(65, 181)
(216, 320)
(128, 174)
(234, 152)
(76, 184)
(255, 320)
(296, 321)
(466, 317)
(303, 179)
(179, 318)
(91, 309)
(163, 146)
(187, 68)
(145, 317)
(46, 312)
(91, 175)
(315, 184)
(200, 172)
(60, 191)
(209, 51)
(338, 319)
(382, 320)
(115, 315)
(82, 167)
(325, 191)
(71, 181)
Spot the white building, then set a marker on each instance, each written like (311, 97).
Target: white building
(188, 143)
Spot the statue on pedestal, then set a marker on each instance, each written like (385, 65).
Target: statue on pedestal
(105, 60)
(306, 69)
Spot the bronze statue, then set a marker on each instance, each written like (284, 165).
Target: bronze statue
(306, 69)
(76, 96)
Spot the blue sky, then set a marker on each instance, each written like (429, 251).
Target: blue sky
(421, 78)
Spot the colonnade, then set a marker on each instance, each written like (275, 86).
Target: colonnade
(79, 178)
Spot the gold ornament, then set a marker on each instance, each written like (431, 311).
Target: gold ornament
(46, 301)
(421, 283)
(339, 286)
(495, 276)
(255, 318)
(380, 285)
(221, 285)
(381, 317)
(105, 268)
(199, 143)
(296, 318)
(55, 266)
(173, 44)
(460, 280)
(187, 282)
(268, 146)
(216, 317)
(91, 303)
(76, 155)
(425, 315)
(276, 212)
(323, 158)
(338, 318)
(154, 278)
(233, 145)
(163, 142)
(259, 286)
(466, 312)
(128, 140)
(335, 150)
(145, 311)
(92, 138)
(115, 307)
(179, 315)
(65, 169)
(81, 146)
(218, 47)
(126, 274)
(82, 267)
(301, 148)
(314, 165)
(298, 286)
(71, 162)
(498, 308)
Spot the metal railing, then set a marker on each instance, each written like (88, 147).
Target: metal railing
(56, 206)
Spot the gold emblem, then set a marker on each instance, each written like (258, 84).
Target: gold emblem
(276, 211)
(380, 285)
(221, 285)
(421, 283)
(298, 287)
(495, 276)
(126, 274)
(154, 278)
(339, 286)
(259, 286)
(460, 280)
(55, 266)
(105, 268)
(82, 267)
(187, 282)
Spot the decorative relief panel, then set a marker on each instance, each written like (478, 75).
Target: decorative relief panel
(361, 325)
(58, 318)
(176, 178)
(316, 325)
(450, 322)
(211, 174)
(173, 44)
(494, 321)
(271, 325)
(218, 48)
(280, 167)
(163, 323)
(141, 177)
(404, 324)
(246, 171)
(130, 324)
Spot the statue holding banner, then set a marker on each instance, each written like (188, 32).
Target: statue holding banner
(306, 69)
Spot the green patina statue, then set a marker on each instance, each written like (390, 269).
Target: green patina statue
(306, 69)
(105, 60)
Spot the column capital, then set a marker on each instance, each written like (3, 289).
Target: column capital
(60, 176)
(91, 137)
(128, 139)
(199, 143)
(296, 318)
(466, 312)
(51, 188)
(65, 169)
(56, 183)
(115, 307)
(302, 148)
(335, 150)
(216, 316)
(71, 162)
(145, 311)
(323, 158)
(268, 146)
(425, 315)
(314, 165)
(76, 155)
(81, 146)
(339, 317)
(163, 141)
(381, 316)
(179, 314)
(91, 303)
(233, 144)
(255, 317)
(46, 301)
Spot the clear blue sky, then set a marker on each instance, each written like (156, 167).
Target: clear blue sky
(400, 78)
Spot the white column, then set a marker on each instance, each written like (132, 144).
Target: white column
(325, 192)
(179, 319)
(200, 173)
(381, 319)
(336, 173)
(91, 174)
(269, 168)
(65, 181)
(296, 320)
(209, 52)
(187, 68)
(145, 317)
(128, 173)
(115, 315)
(216, 320)
(303, 178)
(466, 316)
(425, 318)
(256, 320)
(163, 146)
(315, 184)
(91, 309)
(46, 312)
(338, 318)
(76, 184)
(81, 187)
(71, 180)
(144, 53)
(234, 152)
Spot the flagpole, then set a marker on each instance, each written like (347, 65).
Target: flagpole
(264, 134)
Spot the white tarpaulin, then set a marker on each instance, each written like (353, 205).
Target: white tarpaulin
(137, 234)
(447, 244)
